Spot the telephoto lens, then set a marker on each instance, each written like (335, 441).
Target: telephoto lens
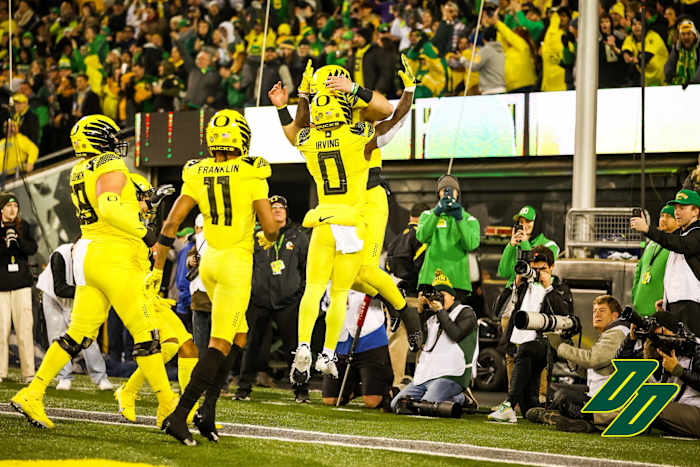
(544, 322)
(429, 409)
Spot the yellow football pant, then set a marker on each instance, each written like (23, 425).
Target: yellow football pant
(324, 263)
(227, 276)
(371, 279)
(111, 274)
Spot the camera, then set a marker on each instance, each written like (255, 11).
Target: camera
(431, 294)
(684, 343)
(569, 325)
(522, 266)
(194, 272)
(636, 212)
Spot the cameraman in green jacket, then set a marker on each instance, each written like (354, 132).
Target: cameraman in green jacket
(450, 233)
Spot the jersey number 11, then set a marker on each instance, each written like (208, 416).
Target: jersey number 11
(211, 183)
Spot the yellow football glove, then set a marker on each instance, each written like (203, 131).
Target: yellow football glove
(407, 76)
(264, 243)
(306, 79)
(160, 304)
(153, 280)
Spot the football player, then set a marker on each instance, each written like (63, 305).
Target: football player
(107, 267)
(230, 188)
(339, 164)
(174, 337)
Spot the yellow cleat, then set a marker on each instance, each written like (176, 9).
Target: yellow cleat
(166, 409)
(190, 416)
(31, 407)
(127, 403)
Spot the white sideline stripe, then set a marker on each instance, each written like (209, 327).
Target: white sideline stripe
(557, 460)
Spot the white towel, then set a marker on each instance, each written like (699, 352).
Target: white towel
(346, 239)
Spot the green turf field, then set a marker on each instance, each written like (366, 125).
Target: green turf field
(276, 408)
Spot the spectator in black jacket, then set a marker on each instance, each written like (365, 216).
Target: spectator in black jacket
(405, 254)
(278, 283)
(611, 66)
(682, 277)
(85, 101)
(544, 294)
(16, 245)
(369, 65)
(202, 78)
(682, 64)
(28, 122)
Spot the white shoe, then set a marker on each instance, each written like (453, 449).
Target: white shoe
(63, 385)
(105, 385)
(301, 367)
(504, 413)
(326, 365)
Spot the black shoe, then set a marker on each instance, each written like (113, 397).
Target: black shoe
(543, 416)
(178, 429)
(574, 425)
(242, 394)
(301, 396)
(204, 420)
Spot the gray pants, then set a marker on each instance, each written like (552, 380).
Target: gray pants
(680, 419)
(57, 321)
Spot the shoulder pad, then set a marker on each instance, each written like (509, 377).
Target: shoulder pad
(103, 159)
(303, 136)
(362, 129)
(248, 160)
(192, 162)
(260, 163)
(262, 167)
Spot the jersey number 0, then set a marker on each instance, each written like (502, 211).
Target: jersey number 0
(323, 159)
(211, 183)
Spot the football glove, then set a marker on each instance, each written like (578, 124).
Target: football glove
(306, 79)
(160, 304)
(264, 243)
(407, 75)
(153, 280)
(159, 193)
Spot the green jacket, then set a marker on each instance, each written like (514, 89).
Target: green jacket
(646, 290)
(510, 255)
(449, 243)
(535, 28)
(234, 97)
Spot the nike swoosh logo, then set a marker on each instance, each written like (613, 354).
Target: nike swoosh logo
(321, 219)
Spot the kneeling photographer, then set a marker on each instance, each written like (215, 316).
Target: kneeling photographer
(444, 370)
(540, 297)
(678, 349)
(568, 400)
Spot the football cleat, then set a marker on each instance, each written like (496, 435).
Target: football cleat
(204, 421)
(301, 396)
(31, 407)
(326, 365)
(503, 413)
(165, 409)
(301, 367)
(127, 403)
(178, 430)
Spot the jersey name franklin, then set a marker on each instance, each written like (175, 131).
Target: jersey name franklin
(209, 170)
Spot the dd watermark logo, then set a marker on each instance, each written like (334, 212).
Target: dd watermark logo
(639, 403)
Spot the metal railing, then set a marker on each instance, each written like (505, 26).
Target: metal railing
(601, 228)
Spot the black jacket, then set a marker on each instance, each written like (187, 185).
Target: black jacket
(61, 287)
(558, 301)
(463, 325)
(279, 291)
(405, 256)
(377, 69)
(687, 245)
(20, 251)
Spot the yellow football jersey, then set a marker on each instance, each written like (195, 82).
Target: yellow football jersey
(83, 184)
(357, 106)
(225, 192)
(336, 161)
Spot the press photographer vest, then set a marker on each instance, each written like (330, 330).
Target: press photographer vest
(442, 357)
(45, 281)
(680, 281)
(596, 380)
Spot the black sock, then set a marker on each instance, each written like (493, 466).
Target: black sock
(214, 391)
(203, 377)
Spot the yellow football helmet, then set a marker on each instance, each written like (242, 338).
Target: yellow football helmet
(96, 134)
(327, 109)
(228, 130)
(325, 72)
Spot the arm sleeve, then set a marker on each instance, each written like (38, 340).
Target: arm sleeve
(687, 244)
(598, 356)
(470, 231)
(460, 327)
(58, 272)
(384, 139)
(117, 215)
(426, 226)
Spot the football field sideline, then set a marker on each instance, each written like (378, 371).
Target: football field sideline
(434, 448)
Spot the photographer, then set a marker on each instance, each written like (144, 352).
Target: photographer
(682, 415)
(450, 233)
(682, 277)
(597, 361)
(448, 360)
(16, 245)
(537, 291)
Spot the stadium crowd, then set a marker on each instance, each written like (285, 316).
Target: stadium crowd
(76, 58)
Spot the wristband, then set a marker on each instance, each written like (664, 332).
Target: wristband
(285, 117)
(410, 88)
(355, 88)
(364, 94)
(303, 95)
(166, 241)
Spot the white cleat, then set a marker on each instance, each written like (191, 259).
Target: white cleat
(105, 385)
(504, 413)
(63, 385)
(326, 365)
(301, 367)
